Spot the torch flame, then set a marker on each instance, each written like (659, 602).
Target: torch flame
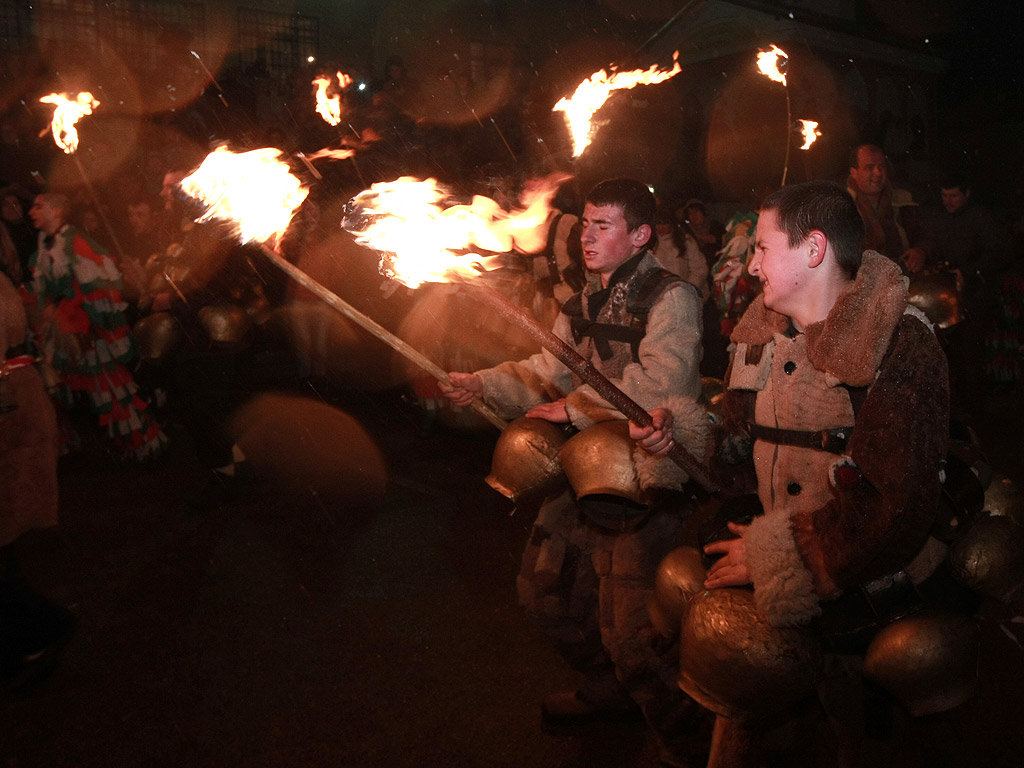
(810, 132)
(329, 108)
(424, 241)
(66, 114)
(253, 190)
(592, 93)
(333, 154)
(769, 66)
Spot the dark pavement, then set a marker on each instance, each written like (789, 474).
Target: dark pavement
(301, 625)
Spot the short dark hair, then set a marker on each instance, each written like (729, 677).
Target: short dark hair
(855, 153)
(59, 200)
(822, 205)
(955, 180)
(633, 197)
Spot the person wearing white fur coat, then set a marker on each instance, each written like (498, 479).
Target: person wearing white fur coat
(586, 585)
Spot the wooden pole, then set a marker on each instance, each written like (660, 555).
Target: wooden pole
(337, 303)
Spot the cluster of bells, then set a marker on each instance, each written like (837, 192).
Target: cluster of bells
(738, 665)
(159, 334)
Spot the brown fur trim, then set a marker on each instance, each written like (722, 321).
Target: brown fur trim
(692, 429)
(851, 342)
(898, 444)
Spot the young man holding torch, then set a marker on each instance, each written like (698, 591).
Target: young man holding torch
(840, 387)
(589, 566)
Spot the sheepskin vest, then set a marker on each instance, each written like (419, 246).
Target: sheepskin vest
(612, 321)
(832, 522)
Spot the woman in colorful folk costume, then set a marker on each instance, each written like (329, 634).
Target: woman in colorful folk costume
(74, 300)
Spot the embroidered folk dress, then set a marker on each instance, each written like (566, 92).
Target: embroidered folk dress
(86, 339)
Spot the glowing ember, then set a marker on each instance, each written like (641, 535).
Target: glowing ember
(592, 93)
(329, 108)
(253, 190)
(810, 132)
(772, 64)
(425, 241)
(67, 113)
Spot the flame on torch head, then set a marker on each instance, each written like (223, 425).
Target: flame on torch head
(68, 112)
(332, 154)
(772, 64)
(810, 132)
(423, 239)
(592, 93)
(254, 191)
(329, 108)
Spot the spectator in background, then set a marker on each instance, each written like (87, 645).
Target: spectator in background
(888, 229)
(707, 232)
(969, 240)
(732, 290)
(677, 251)
(20, 230)
(144, 243)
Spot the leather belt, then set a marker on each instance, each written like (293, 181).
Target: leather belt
(830, 440)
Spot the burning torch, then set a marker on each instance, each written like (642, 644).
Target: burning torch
(774, 65)
(422, 240)
(66, 114)
(592, 93)
(256, 193)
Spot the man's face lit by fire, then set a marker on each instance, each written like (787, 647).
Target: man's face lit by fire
(871, 173)
(954, 198)
(780, 266)
(45, 216)
(607, 241)
(167, 192)
(140, 218)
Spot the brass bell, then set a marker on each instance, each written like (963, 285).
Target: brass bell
(989, 557)
(225, 323)
(599, 461)
(737, 665)
(157, 336)
(928, 661)
(525, 462)
(680, 576)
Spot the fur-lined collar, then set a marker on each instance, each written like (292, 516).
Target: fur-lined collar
(850, 343)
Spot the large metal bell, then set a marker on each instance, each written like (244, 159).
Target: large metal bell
(737, 665)
(599, 461)
(928, 661)
(680, 576)
(525, 461)
(225, 323)
(989, 557)
(157, 336)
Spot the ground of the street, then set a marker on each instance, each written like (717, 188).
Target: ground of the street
(356, 612)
